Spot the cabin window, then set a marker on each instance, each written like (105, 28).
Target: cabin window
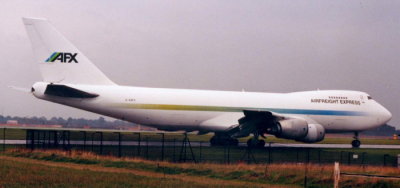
(369, 98)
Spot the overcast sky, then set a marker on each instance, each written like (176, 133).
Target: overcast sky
(266, 46)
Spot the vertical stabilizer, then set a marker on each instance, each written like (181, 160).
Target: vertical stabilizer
(60, 61)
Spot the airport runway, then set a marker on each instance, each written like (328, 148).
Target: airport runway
(207, 144)
(341, 146)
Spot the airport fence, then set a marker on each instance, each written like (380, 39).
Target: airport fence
(184, 148)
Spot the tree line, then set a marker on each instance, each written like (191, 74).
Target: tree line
(101, 122)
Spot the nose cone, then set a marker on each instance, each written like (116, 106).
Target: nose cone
(382, 115)
(385, 115)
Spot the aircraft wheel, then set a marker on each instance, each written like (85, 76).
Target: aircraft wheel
(261, 143)
(234, 142)
(255, 143)
(214, 141)
(250, 142)
(356, 143)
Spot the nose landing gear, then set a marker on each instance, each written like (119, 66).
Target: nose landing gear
(356, 142)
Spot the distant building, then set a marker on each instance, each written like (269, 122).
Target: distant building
(12, 122)
(43, 126)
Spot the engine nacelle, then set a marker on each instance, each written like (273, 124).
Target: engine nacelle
(299, 130)
(316, 133)
(291, 129)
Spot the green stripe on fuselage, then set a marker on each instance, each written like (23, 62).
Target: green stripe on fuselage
(182, 107)
(240, 109)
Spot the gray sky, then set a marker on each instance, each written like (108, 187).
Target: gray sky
(267, 46)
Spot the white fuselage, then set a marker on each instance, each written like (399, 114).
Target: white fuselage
(217, 111)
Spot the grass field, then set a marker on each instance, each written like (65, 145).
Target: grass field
(22, 168)
(224, 155)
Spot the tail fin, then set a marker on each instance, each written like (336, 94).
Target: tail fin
(60, 61)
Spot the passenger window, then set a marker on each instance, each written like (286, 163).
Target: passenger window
(369, 97)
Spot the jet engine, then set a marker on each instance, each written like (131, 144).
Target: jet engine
(299, 130)
(315, 133)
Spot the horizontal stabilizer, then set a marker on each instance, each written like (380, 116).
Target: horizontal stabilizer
(65, 91)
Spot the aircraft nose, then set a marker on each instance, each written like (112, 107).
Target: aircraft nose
(387, 116)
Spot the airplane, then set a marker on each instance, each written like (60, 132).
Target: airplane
(70, 78)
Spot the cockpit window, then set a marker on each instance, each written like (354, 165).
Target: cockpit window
(369, 98)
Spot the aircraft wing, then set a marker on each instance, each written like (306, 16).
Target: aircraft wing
(255, 121)
(243, 124)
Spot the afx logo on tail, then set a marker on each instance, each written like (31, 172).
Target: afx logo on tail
(63, 57)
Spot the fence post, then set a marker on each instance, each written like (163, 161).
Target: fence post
(119, 144)
(269, 153)
(319, 156)
(173, 151)
(56, 141)
(4, 139)
(101, 143)
(84, 140)
(341, 156)
(398, 161)
(200, 152)
(93, 141)
(229, 154)
(63, 138)
(27, 136)
(147, 147)
(138, 149)
(384, 159)
(336, 175)
(44, 139)
(306, 167)
(349, 158)
(32, 132)
(49, 139)
(162, 147)
(363, 158)
(69, 140)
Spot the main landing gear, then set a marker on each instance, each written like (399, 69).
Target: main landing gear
(223, 140)
(255, 143)
(356, 142)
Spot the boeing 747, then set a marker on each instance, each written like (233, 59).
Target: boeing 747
(70, 78)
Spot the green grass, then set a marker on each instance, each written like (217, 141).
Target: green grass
(378, 157)
(275, 174)
(20, 174)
